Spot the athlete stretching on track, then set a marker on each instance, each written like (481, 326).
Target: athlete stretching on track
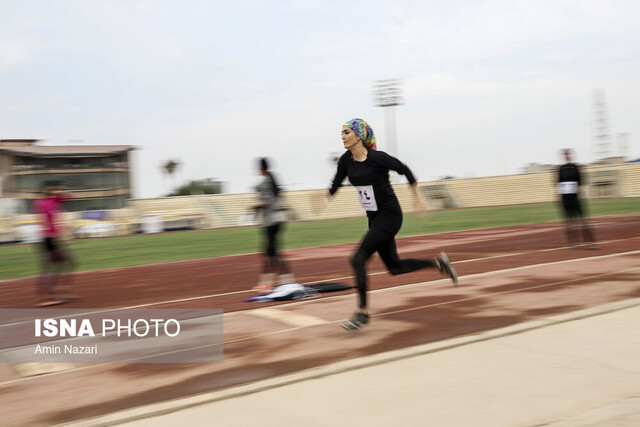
(368, 170)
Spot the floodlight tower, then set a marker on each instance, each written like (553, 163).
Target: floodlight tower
(388, 94)
(603, 146)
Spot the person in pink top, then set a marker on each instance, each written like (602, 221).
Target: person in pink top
(56, 259)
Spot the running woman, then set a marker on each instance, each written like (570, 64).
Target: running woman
(569, 182)
(56, 259)
(273, 218)
(368, 170)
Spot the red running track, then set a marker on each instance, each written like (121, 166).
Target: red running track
(508, 275)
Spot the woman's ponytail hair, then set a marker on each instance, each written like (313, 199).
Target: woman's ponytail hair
(264, 166)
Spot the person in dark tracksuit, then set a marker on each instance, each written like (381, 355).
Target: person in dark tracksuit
(273, 219)
(368, 170)
(569, 182)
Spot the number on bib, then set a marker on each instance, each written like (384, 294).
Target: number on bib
(367, 198)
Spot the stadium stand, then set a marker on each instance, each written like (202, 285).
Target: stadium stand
(6, 231)
(232, 210)
(174, 213)
(227, 210)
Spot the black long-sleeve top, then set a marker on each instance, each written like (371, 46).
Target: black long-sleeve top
(569, 172)
(373, 172)
(569, 179)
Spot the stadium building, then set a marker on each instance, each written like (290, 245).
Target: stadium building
(97, 175)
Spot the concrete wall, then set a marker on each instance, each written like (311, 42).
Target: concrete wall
(621, 180)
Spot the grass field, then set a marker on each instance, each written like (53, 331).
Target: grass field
(94, 254)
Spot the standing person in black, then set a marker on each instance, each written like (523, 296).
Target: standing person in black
(273, 218)
(569, 182)
(368, 170)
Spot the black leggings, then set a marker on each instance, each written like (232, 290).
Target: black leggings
(56, 260)
(273, 261)
(574, 220)
(381, 238)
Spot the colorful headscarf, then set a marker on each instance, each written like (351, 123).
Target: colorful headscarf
(364, 131)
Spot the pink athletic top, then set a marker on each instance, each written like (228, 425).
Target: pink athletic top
(49, 208)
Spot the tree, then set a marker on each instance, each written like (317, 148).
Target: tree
(170, 167)
(198, 187)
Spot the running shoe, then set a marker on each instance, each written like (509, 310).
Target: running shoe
(357, 321)
(447, 268)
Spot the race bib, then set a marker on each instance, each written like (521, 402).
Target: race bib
(568, 187)
(367, 198)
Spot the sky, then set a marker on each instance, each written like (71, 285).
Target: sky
(488, 86)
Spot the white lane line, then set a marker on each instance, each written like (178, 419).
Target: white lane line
(321, 321)
(544, 285)
(540, 250)
(22, 288)
(455, 301)
(166, 407)
(462, 286)
(377, 273)
(466, 277)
